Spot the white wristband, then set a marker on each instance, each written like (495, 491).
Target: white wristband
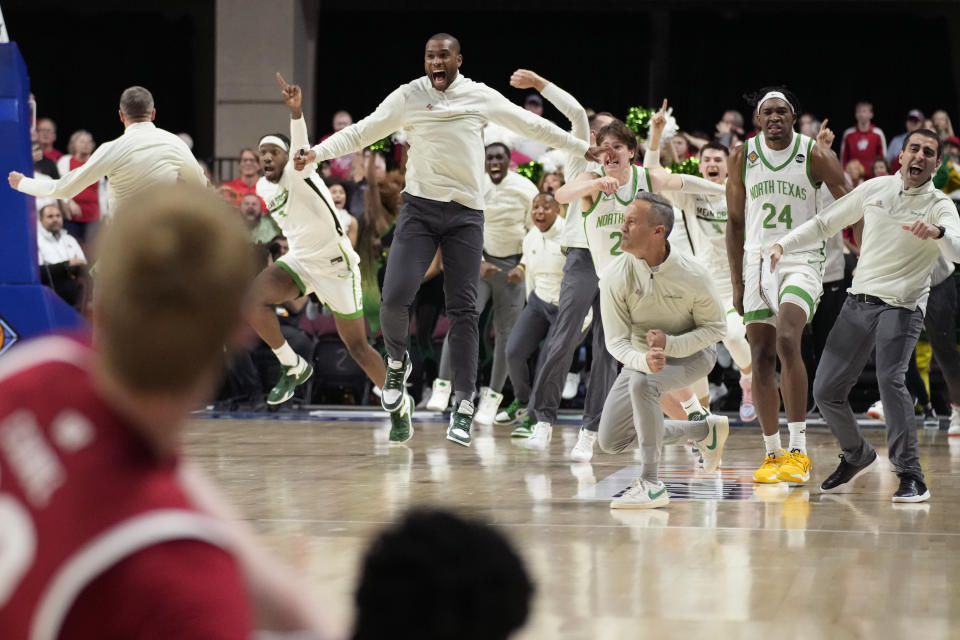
(652, 158)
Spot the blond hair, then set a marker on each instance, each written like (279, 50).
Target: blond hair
(174, 269)
(72, 145)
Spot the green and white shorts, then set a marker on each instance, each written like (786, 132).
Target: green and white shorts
(334, 278)
(798, 279)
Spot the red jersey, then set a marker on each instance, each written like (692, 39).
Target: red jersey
(88, 200)
(53, 154)
(865, 146)
(241, 187)
(98, 539)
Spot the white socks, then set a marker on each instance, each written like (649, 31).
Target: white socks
(286, 355)
(691, 405)
(798, 436)
(772, 443)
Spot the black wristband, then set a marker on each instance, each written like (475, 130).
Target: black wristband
(943, 231)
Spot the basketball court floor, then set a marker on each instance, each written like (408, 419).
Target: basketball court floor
(725, 559)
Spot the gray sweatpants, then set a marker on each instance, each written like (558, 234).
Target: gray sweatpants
(508, 300)
(632, 411)
(893, 331)
(423, 226)
(532, 327)
(578, 292)
(940, 323)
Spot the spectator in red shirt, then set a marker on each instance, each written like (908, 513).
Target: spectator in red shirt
(47, 135)
(340, 167)
(864, 141)
(249, 174)
(84, 208)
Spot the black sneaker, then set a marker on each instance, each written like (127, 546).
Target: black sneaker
(841, 480)
(911, 490)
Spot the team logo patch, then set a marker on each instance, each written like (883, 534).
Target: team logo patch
(753, 157)
(429, 107)
(801, 158)
(8, 337)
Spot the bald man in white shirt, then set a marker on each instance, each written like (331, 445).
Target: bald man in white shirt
(443, 115)
(907, 225)
(143, 157)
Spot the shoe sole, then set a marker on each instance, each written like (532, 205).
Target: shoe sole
(920, 498)
(292, 390)
(458, 440)
(847, 486)
(576, 458)
(773, 480)
(536, 447)
(662, 501)
(410, 417)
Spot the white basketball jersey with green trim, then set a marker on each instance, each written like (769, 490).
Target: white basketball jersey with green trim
(603, 221)
(781, 194)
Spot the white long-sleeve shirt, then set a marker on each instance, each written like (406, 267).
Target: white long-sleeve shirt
(56, 249)
(543, 261)
(445, 133)
(894, 264)
(576, 164)
(676, 297)
(506, 217)
(144, 156)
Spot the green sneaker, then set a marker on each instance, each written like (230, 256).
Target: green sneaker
(288, 382)
(460, 422)
(525, 428)
(401, 423)
(513, 414)
(394, 388)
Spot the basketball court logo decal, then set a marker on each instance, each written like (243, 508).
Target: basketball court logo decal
(8, 337)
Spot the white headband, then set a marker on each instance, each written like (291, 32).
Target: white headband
(272, 139)
(774, 94)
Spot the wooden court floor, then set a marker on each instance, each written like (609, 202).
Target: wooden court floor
(725, 559)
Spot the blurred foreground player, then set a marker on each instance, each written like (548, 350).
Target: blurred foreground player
(104, 531)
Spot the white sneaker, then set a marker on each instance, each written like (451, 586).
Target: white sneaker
(644, 494)
(876, 411)
(440, 396)
(487, 408)
(542, 434)
(954, 429)
(583, 450)
(718, 428)
(571, 386)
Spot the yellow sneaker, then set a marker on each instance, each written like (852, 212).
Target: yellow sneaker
(769, 471)
(795, 467)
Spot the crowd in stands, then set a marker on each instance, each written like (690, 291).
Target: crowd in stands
(366, 189)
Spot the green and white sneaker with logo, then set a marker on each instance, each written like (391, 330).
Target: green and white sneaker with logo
(525, 428)
(644, 494)
(718, 428)
(290, 378)
(514, 413)
(395, 387)
(460, 421)
(401, 422)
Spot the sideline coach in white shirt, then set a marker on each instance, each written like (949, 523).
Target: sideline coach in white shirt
(143, 157)
(907, 224)
(443, 115)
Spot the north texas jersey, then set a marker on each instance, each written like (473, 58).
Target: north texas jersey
(301, 204)
(602, 222)
(781, 193)
(705, 217)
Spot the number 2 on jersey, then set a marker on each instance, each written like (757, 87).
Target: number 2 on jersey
(615, 249)
(784, 216)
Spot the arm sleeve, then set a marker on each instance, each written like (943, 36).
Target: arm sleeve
(387, 118)
(616, 326)
(709, 320)
(950, 242)
(696, 184)
(298, 140)
(75, 181)
(837, 216)
(529, 125)
(570, 108)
